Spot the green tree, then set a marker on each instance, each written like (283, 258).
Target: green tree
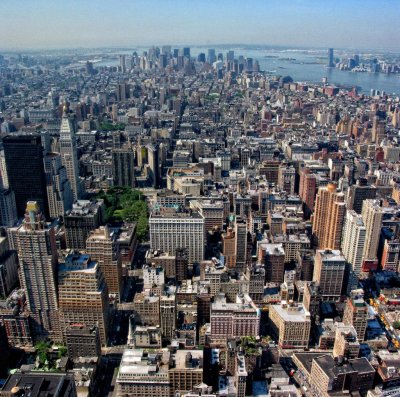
(42, 350)
(62, 351)
(126, 204)
(106, 126)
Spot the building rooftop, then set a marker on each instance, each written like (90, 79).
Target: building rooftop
(331, 255)
(145, 298)
(291, 238)
(84, 207)
(173, 214)
(37, 384)
(75, 261)
(188, 359)
(243, 304)
(328, 365)
(271, 249)
(158, 254)
(138, 363)
(307, 358)
(292, 311)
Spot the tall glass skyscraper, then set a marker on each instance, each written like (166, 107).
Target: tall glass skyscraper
(25, 170)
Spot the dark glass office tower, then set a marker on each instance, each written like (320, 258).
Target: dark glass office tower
(331, 61)
(186, 52)
(25, 169)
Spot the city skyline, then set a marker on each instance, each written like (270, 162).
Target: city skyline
(282, 23)
(181, 216)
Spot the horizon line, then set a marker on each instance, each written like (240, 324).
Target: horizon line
(204, 45)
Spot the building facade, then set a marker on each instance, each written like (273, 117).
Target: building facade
(35, 243)
(84, 217)
(25, 171)
(59, 193)
(172, 230)
(102, 246)
(69, 154)
(329, 271)
(328, 217)
(83, 294)
(291, 323)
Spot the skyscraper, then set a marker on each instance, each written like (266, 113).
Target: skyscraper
(305, 260)
(181, 264)
(37, 252)
(69, 154)
(59, 193)
(329, 273)
(84, 217)
(88, 303)
(356, 314)
(211, 58)
(378, 130)
(171, 230)
(331, 62)
(212, 211)
(241, 244)
(272, 257)
(102, 246)
(3, 171)
(328, 217)
(249, 64)
(25, 170)
(354, 233)
(229, 248)
(8, 208)
(122, 64)
(153, 173)
(166, 50)
(372, 215)
(358, 193)
(123, 167)
(307, 188)
(168, 316)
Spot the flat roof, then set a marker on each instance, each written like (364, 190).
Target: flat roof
(296, 313)
(38, 384)
(196, 359)
(306, 359)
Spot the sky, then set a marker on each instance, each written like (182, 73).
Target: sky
(40, 24)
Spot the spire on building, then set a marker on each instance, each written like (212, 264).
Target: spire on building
(34, 219)
(68, 152)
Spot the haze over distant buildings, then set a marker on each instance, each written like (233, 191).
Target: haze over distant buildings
(57, 24)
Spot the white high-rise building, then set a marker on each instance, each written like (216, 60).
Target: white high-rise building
(354, 233)
(170, 230)
(69, 154)
(372, 215)
(3, 170)
(59, 192)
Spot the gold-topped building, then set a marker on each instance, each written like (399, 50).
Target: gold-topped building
(35, 243)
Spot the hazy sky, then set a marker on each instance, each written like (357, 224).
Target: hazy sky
(92, 23)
